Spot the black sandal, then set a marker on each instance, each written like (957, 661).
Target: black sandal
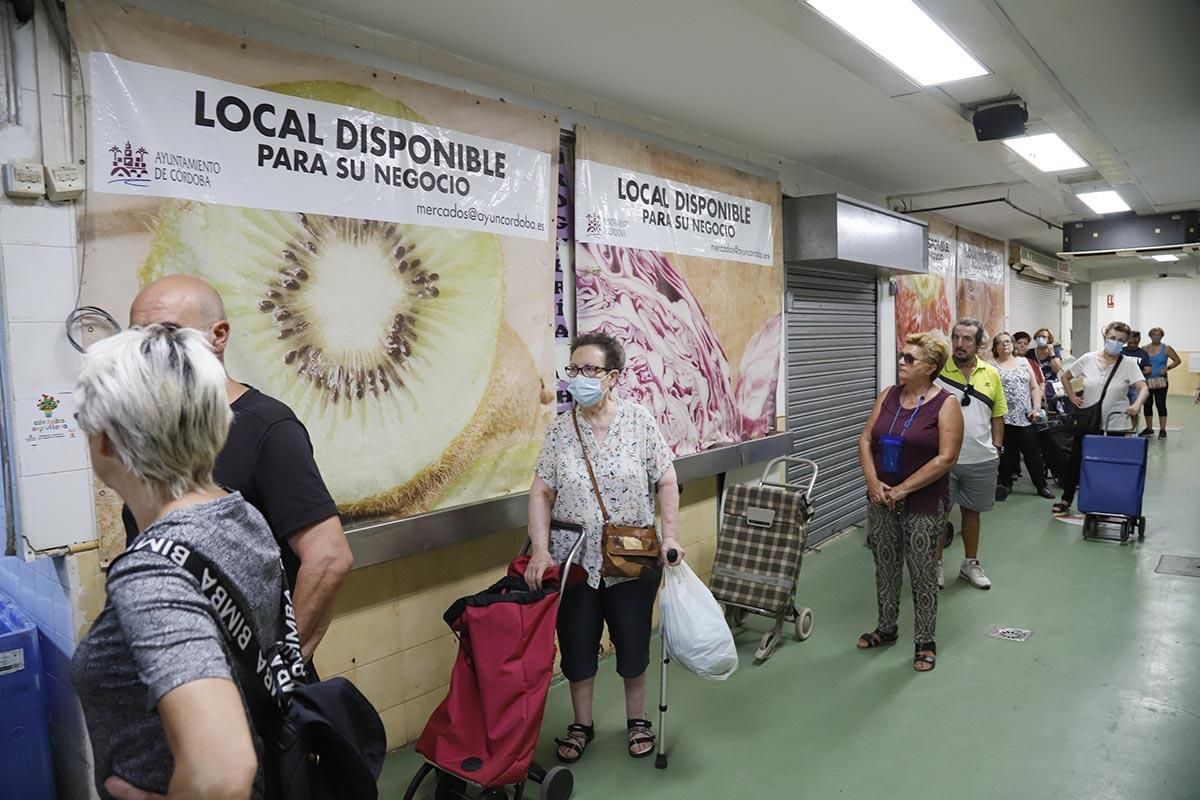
(1060, 508)
(876, 638)
(639, 734)
(572, 742)
(926, 654)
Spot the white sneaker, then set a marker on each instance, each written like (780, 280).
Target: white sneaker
(941, 575)
(973, 574)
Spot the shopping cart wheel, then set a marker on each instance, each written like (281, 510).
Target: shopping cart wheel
(1141, 526)
(767, 645)
(449, 787)
(557, 785)
(1089, 525)
(1126, 527)
(734, 616)
(947, 535)
(422, 773)
(804, 623)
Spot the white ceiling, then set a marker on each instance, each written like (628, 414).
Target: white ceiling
(1115, 78)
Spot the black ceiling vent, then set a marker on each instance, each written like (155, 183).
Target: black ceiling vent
(1110, 235)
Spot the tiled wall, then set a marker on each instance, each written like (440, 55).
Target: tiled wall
(39, 269)
(53, 484)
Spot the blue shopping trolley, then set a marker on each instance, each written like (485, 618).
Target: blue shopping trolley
(1112, 480)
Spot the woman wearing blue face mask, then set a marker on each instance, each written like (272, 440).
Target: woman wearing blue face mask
(1048, 356)
(627, 454)
(1112, 396)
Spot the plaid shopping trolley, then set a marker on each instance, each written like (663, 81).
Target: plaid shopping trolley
(760, 546)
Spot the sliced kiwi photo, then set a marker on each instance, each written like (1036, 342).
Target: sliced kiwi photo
(387, 340)
(498, 473)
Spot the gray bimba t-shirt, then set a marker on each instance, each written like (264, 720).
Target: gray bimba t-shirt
(158, 631)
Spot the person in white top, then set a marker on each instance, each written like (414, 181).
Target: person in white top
(1117, 415)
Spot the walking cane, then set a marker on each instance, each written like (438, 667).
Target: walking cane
(660, 759)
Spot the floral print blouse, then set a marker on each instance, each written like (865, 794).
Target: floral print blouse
(632, 458)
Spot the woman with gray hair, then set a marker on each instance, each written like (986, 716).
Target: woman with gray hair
(1108, 378)
(162, 699)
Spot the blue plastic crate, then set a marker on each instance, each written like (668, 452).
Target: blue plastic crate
(26, 770)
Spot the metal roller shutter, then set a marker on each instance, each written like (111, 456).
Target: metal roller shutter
(1033, 305)
(832, 357)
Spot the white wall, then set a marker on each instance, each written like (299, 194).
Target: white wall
(1171, 304)
(1123, 295)
(53, 489)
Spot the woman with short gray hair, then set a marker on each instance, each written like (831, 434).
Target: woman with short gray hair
(1108, 377)
(161, 697)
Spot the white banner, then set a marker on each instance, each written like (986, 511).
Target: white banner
(941, 255)
(625, 208)
(979, 263)
(168, 133)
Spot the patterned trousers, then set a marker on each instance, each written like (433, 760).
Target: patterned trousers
(897, 537)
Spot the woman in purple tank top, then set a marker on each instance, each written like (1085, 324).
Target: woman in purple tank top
(906, 450)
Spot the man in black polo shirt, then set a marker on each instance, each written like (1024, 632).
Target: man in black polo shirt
(268, 458)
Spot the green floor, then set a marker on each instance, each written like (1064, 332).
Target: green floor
(1102, 702)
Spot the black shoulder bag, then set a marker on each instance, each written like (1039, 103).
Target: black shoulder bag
(1086, 421)
(321, 741)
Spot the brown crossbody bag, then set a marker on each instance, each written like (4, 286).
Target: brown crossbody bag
(627, 551)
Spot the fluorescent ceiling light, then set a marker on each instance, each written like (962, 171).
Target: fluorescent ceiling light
(1046, 151)
(901, 33)
(1165, 257)
(1105, 202)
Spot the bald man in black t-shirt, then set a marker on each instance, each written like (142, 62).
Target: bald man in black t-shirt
(268, 457)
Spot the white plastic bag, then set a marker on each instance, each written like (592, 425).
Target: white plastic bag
(693, 626)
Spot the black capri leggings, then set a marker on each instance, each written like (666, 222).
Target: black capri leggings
(627, 607)
(1158, 397)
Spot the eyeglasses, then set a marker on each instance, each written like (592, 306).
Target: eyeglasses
(588, 370)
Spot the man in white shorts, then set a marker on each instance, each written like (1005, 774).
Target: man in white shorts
(977, 386)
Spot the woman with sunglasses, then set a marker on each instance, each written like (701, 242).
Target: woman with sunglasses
(627, 454)
(1117, 415)
(1024, 395)
(910, 442)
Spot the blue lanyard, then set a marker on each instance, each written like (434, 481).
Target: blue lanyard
(911, 416)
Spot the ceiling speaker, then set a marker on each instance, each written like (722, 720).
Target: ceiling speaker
(1000, 122)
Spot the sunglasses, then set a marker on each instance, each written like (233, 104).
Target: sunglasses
(907, 358)
(966, 400)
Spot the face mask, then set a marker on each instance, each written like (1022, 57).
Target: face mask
(1156, 339)
(586, 391)
(1042, 341)
(1113, 346)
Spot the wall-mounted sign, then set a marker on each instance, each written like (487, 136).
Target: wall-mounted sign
(49, 419)
(626, 208)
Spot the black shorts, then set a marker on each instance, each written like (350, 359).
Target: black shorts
(628, 608)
